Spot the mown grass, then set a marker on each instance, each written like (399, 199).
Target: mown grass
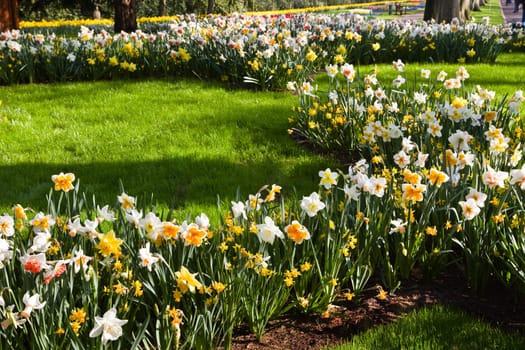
(505, 76)
(434, 328)
(183, 142)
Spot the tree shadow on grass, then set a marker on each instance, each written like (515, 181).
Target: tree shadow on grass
(177, 183)
(179, 175)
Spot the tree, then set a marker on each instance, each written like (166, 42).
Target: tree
(125, 16)
(162, 8)
(8, 15)
(446, 10)
(211, 5)
(476, 5)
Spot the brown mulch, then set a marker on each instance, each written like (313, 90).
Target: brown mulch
(496, 305)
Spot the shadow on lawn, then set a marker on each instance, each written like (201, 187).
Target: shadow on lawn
(178, 183)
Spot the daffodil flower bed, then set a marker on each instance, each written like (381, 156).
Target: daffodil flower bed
(444, 175)
(81, 275)
(263, 50)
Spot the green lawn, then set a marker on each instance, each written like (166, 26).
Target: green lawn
(505, 76)
(436, 328)
(184, 142)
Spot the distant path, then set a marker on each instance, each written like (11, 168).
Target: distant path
(506, 10)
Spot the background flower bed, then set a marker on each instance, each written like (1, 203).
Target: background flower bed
(268, 51)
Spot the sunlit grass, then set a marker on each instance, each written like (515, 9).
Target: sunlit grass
(505, 76)
(436, 327)
(184, 142)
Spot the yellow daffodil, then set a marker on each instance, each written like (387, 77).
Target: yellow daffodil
(187, 281)
(109, 244)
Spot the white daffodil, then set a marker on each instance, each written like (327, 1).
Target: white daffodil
(105, 214)
(312, 204)
(470, 209)
(494, 178)
(328, 178)
(478, 197)
(108, 325)
(133, 216)
(268, 231)
(517, 176)
(7, 225)
(80, 261)
(151, 225)
(239, 209)
(146, 258)
(6, 253)
(31, 302)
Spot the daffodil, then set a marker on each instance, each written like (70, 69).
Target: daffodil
(63, 182)
(42, 222)
(312, 204)
(147, 259)
(398, 226)
(239, 209)
(470, 209)
(187, 281)
(31, 303)
(437, 178)
(108, 325)
(34, 263)
(126, 202)
(477, 196)
(109, 244)
(105, 214)
(494, 178)
(402, 159)
(398, 65)
(151, 225)
(192, 234)
(7, 225)
(268, 231)
(328, 178)
(80, 261)
(134, 216)
(348, 71)
(517, 177)
(6, 252)
(413, 193)
(297, 232)
(12, 318)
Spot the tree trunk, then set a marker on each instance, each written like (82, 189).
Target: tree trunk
(162, 8)
(464, 10)
(125, 16)
(190, 8)
(8, 15)
(211, 6)
(446, 10)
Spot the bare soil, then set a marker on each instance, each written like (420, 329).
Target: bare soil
(496, 305)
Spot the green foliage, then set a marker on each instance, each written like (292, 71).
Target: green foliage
(435, 327)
